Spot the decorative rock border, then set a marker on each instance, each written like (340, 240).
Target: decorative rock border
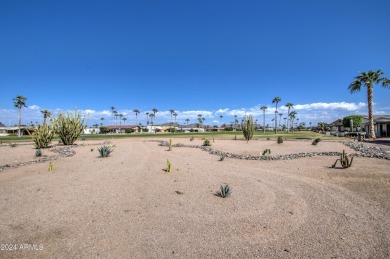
(363, 151)
(63, 151)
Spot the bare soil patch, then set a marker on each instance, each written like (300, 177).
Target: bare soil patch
(126, 205)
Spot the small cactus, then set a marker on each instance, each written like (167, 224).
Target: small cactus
(169, 166)
(344, 161)
(225, 191)
(170, 145)
(38, 152)
(266, 152)
(280, 140)
(51, 167)
(206, 143)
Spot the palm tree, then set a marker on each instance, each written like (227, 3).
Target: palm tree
(175, 115)
(115, 115)
(235, 122)
(46, 114)
(276, 100)
(136, 111)
(102, 119)
(147, 117)
(368, 79)
(289, 106)
(151, 118)
(112, 114)
(280, 118)
(263, 108)
(19, 102)
(221, 116)
(124, 120)
(172, 111)
(310, 125)
(187, 120)
(154, 112)
(292, 117)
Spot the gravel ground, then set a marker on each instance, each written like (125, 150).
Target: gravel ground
(126, 205)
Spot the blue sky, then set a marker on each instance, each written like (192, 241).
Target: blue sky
(209, 57)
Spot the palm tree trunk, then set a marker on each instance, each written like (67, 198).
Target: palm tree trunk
(264, 121)
(19, 122)
(370, 116)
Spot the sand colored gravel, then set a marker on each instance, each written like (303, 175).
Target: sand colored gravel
(127, 206)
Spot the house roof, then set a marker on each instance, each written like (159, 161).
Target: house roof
(338, 122)
(122, 127)
(385, 118)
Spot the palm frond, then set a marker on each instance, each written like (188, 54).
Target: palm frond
(355, 86)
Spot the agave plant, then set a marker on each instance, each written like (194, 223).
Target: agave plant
(104, 151)
(225, 191)
(38, 152)
(206, 143)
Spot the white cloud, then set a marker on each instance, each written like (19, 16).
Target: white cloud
(34, 107)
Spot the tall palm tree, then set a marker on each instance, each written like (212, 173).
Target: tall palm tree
(147, 118)
(292, 117)
(280, 118)
(46, 114)
(235, 122)
(136, 111)
(120, 119)
(102, 119)
(175, 115)
(115, 115)
(112, 114)
(187, 120)
(151, 118)
(172, 111)
(263, 108)
(221, 116)
(289, 107)
(276, 100)
(154, 110)
(19, 102)
(124, 120)
(310, 125)
(368, 79)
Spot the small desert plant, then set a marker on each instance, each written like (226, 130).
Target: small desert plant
(248, 127)
(43, 135)
(82, 139)
(170, 145)
(51, 167)
(316, 141)
(192, 138)
(266, 152)
(206, 143)
(38, 152)
(225, 191)
(12, 144)
(92, 149)
(104, 151)
(222, 158)
(344, 161)
(169, 166)
(268, 138)
(235, 137)
(69, 127)
(280, 140)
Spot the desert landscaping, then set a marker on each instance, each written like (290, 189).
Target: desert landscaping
(128, 205)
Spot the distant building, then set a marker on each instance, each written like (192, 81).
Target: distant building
(381, 125)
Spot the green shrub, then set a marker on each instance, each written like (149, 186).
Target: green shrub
(316, 141)
(225, 191)
(206, 143)
(104, 151)
(12, 144)
(222, 158)
(69, 127)
(128, 131)
(38, 152)
(104, 129)
(280, 140)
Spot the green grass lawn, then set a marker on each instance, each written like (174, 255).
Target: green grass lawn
(220, 135)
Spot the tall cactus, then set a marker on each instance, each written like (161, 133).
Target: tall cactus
(248, 127)
(43, 135)
(69, 127)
